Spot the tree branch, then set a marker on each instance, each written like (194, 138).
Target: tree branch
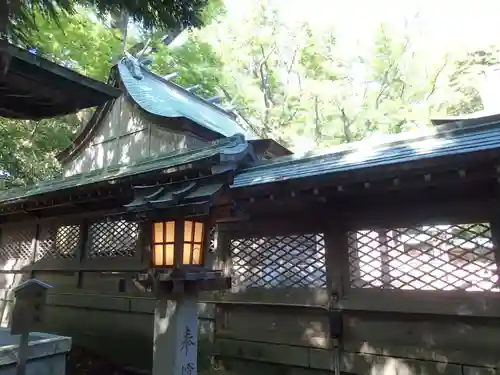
(435, 79)
(317, 121)
(240, 113)
(263, 74)
(346, 124)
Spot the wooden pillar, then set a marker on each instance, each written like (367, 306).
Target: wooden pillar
(337, 262)
(176, 336)
(81, 251)
(385, 267)
(35, 248)
(338, 283)
(495, 238)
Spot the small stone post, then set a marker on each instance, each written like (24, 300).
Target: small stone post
(27, 314)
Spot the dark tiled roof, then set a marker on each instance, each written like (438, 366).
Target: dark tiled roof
(403, 148)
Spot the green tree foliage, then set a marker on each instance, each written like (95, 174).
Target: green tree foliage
(28, 149)
(162, 14)
(194, 61)
(469, 70)
(77, 42)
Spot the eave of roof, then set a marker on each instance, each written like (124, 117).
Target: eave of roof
(405, 149)
(168, 163)
(36, 88)
(470, 119)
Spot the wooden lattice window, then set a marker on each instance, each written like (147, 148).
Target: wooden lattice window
(112, 239)
(437, 257)
(58, 242)
(281, 261)
(17, 243)
(212, 237)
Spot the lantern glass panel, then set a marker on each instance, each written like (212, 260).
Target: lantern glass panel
(163, 243)
(169, 255)
(188, 231)
(198, 232)
(158, 255)
(170, 231)
(193, 243)
(197, 259)
(158, 232)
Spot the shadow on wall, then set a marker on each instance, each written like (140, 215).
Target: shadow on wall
(125, 136)
(280, 340)
(9, 279)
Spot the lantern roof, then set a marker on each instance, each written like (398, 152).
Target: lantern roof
(35, 88)
(183, 199)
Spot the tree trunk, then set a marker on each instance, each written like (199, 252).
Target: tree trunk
(119, 21)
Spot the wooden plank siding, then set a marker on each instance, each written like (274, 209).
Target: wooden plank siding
(124, 137)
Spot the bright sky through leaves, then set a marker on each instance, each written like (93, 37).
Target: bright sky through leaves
(444, 22)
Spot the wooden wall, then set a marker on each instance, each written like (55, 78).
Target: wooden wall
(124, 136)
(283, 329)
(413, 332)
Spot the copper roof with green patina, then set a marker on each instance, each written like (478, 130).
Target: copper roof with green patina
(170, 163)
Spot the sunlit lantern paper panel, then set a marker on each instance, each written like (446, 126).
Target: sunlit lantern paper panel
(163, 244)
(193, 242)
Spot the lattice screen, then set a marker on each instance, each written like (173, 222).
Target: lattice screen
(112, 239)
(17, 243)
(213, 239)
(58, 243)
(439, 257)
(285, 261)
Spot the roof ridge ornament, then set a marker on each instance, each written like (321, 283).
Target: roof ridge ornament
(193, 88)
(235, 155)
(134, 66)
(171, 76)
(217, 99)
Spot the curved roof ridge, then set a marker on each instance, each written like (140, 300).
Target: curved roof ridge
(163, 98)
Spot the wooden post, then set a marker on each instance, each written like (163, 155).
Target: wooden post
(22, 354)
(495, 238)
(176, 336)
(385, 266)
(338, 275)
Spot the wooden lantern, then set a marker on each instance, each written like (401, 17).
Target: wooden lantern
(178, 243)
